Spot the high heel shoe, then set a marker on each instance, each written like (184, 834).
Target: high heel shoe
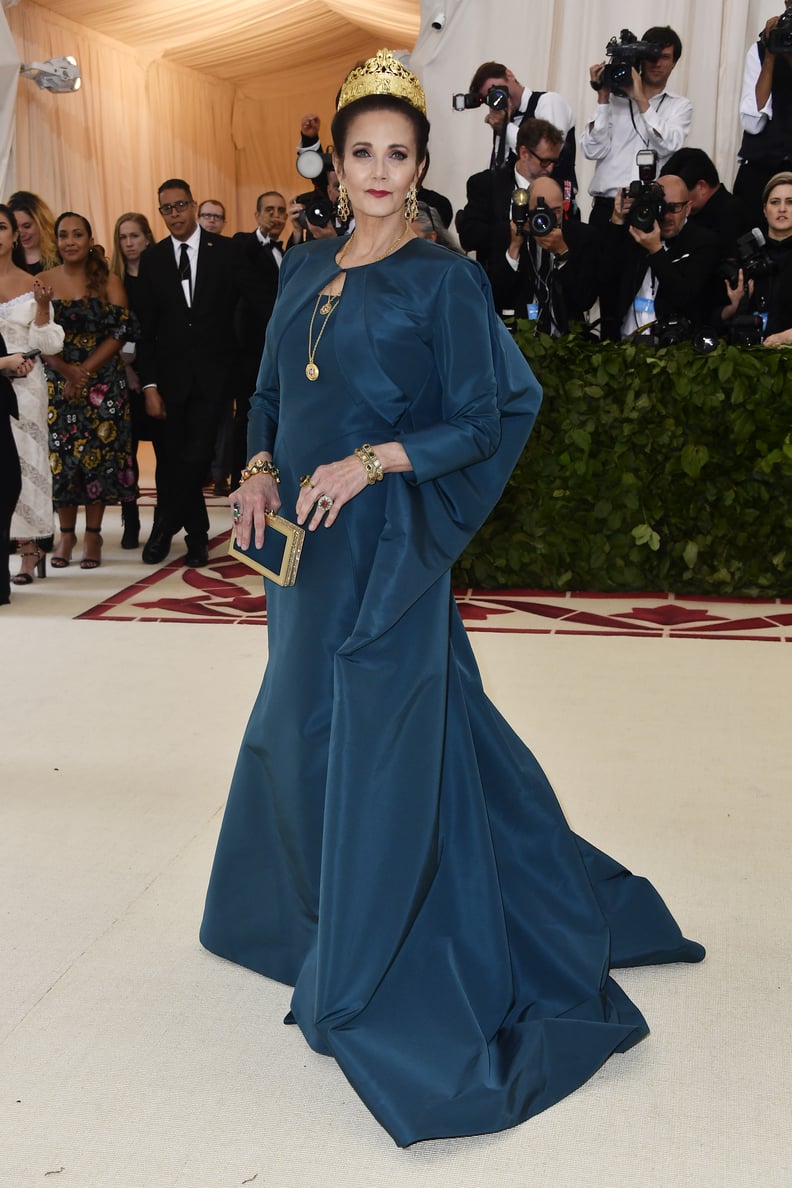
(23, 578)
(57, 560)
(93, 562)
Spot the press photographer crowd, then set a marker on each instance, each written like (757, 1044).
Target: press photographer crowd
(94, 347)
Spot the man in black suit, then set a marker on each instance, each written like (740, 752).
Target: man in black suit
(263, 252)
(189, 287)
(483, 223)
(669, 271)
(549, 278)
(711, 204)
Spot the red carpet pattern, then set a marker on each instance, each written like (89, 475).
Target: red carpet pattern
(227, 592)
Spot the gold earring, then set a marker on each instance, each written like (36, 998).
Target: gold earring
(343, 203)
(411, 204)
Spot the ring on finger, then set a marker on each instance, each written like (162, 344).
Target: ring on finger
(324, 503)
(236, 512)
(305, 481)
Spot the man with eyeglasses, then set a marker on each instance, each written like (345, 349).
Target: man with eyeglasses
(212, 216)
(668, 272)
(646, 116)
(483, 223)
(552, 278)
(189, 286)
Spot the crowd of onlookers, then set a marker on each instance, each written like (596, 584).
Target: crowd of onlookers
(163, 340)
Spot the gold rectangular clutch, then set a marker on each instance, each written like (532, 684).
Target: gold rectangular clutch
(279, 556)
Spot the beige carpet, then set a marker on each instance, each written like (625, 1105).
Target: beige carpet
(131, 1058)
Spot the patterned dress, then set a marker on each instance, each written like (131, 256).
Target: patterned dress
(90, 440)
(33, 512)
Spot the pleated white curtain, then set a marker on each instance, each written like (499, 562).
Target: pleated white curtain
(139, 119)
(550, 46)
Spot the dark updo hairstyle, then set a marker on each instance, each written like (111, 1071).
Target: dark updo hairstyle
(8, 213)
(96, 268)
(339, 129)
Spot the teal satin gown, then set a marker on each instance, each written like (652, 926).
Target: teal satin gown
(390, 847)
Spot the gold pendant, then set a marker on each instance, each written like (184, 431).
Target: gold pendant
(312, 371)
(327, 308)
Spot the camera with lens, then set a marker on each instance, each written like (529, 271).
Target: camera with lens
(537, 222)
(648, 199)
(317, 210)
(779, 39)
(625, 53)
(496, 97)
(751, 257)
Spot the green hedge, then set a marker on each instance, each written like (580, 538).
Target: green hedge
(649, 469)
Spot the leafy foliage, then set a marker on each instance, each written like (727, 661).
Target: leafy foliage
(649, 469)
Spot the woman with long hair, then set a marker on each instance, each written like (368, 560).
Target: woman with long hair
(27, 324)
(132, 235)
(390, 847)
(90, 442)
(36, 249)
(769, 293)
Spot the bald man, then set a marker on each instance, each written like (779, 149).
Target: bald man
(551, 279)
(667, 272)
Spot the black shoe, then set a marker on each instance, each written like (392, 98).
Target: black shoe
(131, 521)
(156, 547)
(197, 552)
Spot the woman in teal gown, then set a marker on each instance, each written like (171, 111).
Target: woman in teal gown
(390, 847)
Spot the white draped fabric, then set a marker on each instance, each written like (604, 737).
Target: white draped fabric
(213, 90)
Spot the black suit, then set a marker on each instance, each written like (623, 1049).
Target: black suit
(190, 353)
(483, 223)
(10, 475)
(564, 290)
(684, 271)
(251, 320)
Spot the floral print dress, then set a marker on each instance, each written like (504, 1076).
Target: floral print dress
(90, 439)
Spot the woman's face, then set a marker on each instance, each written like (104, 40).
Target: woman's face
(29, 235)
(74, 242)
(778, 211)
(7, 236)
(379, 163)
(131, 240)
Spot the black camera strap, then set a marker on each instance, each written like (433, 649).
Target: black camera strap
(645, 143)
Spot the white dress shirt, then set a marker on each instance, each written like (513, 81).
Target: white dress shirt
(266, 241)
(192, 254)
(752, 118)
(552, 107)
(619, 130)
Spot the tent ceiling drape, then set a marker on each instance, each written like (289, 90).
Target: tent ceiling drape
(238, 41)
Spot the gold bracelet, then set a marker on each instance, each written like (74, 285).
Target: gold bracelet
(374, 471)
(260, 466)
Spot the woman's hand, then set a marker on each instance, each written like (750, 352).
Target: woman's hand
(18, 364)
(74, 373)
(251, 501)
(735, 295)
(782, 338)
(42, 295)
(337, 481)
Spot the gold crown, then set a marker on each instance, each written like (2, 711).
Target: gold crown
(382, 75)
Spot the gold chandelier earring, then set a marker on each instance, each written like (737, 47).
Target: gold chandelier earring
(343, 203)
(411, 204)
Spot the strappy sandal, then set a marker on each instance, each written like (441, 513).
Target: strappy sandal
(40, 568)
(93, 562)
(57, 561)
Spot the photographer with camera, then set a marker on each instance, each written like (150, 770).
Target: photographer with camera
(759, 279)
(635, 110)
(766, 112)
(660, 265)
(549, 271)
(483, 223)
(508, 103)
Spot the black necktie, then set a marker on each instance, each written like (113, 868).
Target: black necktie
(185, 272)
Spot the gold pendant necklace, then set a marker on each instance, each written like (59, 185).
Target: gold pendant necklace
(387, 252)
(331, 301)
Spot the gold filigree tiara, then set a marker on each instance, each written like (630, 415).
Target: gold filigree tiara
(382, 75)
